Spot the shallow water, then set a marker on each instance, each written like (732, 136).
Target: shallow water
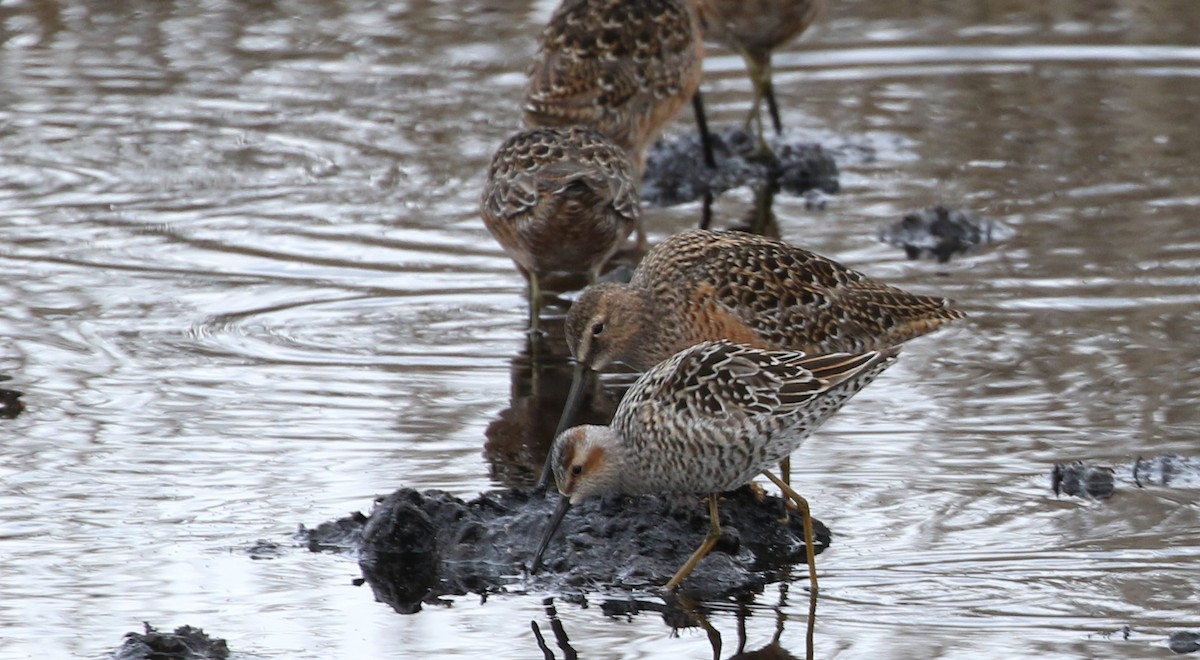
(244, 286)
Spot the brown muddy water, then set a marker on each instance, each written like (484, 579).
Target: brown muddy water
(243, 285)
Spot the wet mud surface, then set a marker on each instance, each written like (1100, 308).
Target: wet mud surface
(1079, 479)
(676, 172)
(417, 547)
(942, 233)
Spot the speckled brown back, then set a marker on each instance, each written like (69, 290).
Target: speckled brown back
(714, 415)
(769, 293)
(623, 67)
(560, 199)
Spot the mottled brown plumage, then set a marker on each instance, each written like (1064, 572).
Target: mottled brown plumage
(705, 285)
(559, 200)
(622, 67)
(754, 28)
(708, 419)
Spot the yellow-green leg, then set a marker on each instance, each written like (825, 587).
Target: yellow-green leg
(768, 94)
(759, 67)
(785, 471)
(714, 533)
(806, 517)
(534, 334)
(758, 74)
(811, 555)
(754, 119)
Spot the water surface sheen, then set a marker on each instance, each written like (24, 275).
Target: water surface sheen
(243, 285)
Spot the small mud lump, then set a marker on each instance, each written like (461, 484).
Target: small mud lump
(1081, 480)
(676, 172)
(940, 233)
(186, 643)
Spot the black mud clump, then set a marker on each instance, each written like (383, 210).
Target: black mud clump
(1100, 482)
(676, 172)
(186, 643)
(417, 547)
(1184, 641)
(341, 535)
(10, 401)
(264, 549)
(1079, 480)
(942, 233)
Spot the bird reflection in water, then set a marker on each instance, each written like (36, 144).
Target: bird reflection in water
(678, 613)
(519, 438)
(773, 650)
(759, 218)
(560, 634)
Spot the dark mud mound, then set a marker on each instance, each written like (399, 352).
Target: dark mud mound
(1099, 482)
(186, 643)
(341, 535)
(417, 547)
(1079, 480)
(1184, 641)
(941, 233)
(676, 172)
(10, 401)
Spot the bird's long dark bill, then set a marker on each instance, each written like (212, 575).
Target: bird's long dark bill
(564, 505)
(579, 384)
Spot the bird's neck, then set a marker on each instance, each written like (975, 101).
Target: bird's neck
(654, 331)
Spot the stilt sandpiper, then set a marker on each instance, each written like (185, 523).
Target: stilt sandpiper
(707, 420)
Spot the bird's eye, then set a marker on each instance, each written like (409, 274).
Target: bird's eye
(577, 469)
(597, 329)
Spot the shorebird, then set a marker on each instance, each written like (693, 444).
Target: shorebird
(706, 420)
(559, 199)
(703, 285)
(622, 67)
(753, 28)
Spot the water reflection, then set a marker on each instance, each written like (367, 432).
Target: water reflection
(519, 438)
(678, 613)
(561, 640)
(760, 217)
